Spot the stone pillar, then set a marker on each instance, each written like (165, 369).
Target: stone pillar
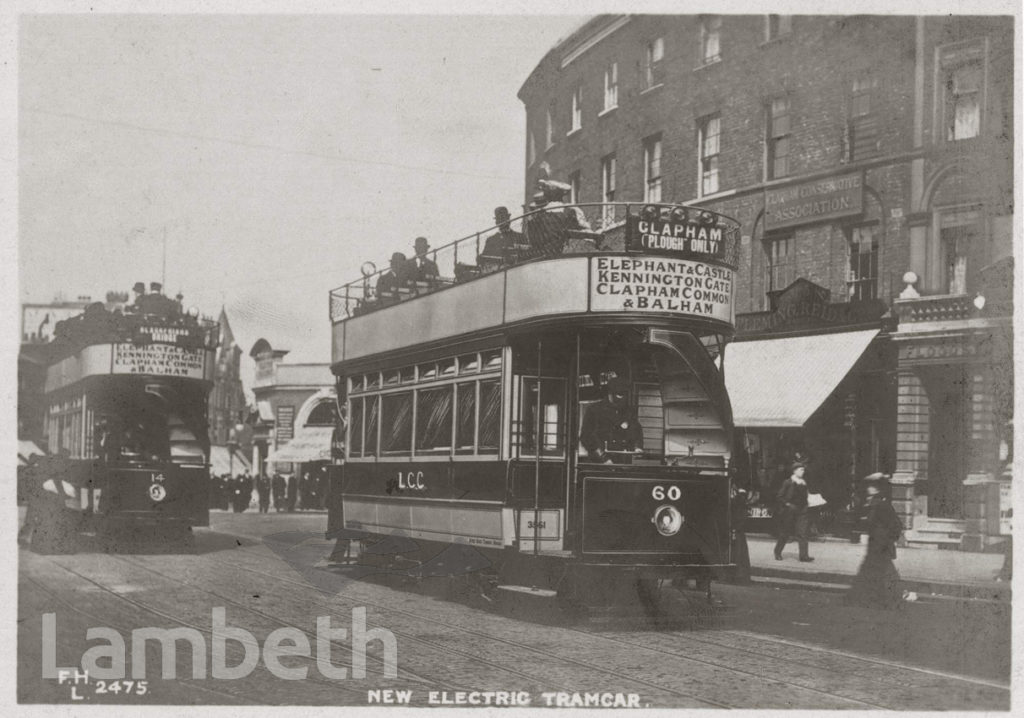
(981, 488)
(912, 429)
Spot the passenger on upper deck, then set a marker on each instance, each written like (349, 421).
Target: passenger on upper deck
(424, 269)
(548, 231)
(155, 302)
(501, 248)
(140, 292)
(398, 276)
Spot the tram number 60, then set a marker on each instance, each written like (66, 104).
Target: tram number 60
(660, 493)
(412, 480)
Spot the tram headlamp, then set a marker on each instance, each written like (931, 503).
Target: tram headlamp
(667, 520)
(679, 215)
(368, 268)
(649, 213)
(707, 217)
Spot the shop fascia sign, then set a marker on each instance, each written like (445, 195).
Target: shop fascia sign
(806, 305)
(816, 201)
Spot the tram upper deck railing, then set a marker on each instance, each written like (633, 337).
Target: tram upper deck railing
(157, 319)
(554, 230)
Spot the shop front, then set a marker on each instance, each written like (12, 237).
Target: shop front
(812, 380)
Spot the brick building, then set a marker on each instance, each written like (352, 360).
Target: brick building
(857, 152)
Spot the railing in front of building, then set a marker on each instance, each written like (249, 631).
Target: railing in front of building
(946, 308)
(553, 230)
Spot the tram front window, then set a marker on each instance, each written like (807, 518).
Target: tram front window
(642, 402)
(157, 424)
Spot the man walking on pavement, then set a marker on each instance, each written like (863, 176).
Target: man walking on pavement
(792, 513)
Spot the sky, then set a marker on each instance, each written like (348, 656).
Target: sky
(274, 154)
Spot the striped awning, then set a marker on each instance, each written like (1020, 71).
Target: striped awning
(781, 382)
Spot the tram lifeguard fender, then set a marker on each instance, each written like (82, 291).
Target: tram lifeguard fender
(64, 490)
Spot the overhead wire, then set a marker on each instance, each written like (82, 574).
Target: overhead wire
(262, 146)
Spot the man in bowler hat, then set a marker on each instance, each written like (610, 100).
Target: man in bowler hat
(424, 269)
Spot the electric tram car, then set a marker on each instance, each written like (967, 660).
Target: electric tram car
(464, 400)
(126, 427)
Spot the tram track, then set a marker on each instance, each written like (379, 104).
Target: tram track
(476, 658)
(593, 635)
(868, 671)
(62, 641)
(180, 621)
(763, 658)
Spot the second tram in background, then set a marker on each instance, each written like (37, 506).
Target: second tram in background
(465, 398)
(127, 429)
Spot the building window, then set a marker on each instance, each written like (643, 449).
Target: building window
(709, 139)
(577, 110)
(963, 84)
(778, 138)
(710, 39)
(611, 86)
(961, 248)
(652, 169)
(862, 127)
(781, 266)
(776, 26)
(574, 187)
(608, 188)
(862, 281)
(549, 136)
(653, 63)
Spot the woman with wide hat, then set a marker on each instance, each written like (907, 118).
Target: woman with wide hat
(878, 582)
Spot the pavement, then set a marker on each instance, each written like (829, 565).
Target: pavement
(923, 571)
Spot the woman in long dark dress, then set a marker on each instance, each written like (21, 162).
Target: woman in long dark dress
(878, 582)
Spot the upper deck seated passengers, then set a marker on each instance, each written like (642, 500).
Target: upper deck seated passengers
(421, 267)
(548, 232)
(397, 277)
(503, 247)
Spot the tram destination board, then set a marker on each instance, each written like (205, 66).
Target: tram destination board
(681, 233)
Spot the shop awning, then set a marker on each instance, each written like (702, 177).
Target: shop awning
(26, 449)
(312, 443)
(221, 461)
(781, 382)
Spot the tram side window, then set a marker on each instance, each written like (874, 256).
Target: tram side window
(551, 412)
(396, 424)
(465, 423)
(355, 428)
(434, 419)
(490, 416)
(372, 423)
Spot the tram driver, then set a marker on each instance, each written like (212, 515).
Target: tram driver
(610, 427)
